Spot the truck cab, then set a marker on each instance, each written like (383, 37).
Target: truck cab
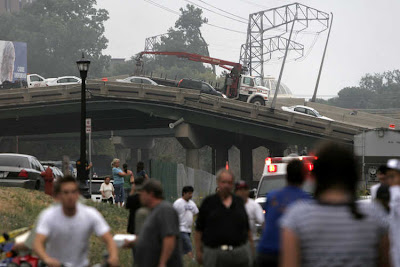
(35, 80)
(274, 176)
(251, 91)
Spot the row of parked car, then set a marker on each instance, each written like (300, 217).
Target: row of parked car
(19, 170)
(201, 86)
(35, 80)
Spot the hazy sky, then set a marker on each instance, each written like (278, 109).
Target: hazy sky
(363, 38)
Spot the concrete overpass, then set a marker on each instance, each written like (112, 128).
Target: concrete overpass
(207, 120)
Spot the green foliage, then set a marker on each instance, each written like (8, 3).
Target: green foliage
(57, 32)
(375, 91)
(185, 37)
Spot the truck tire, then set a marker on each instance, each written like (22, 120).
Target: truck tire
(258, 101)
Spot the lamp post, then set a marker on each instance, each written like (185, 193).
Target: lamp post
(83, 67)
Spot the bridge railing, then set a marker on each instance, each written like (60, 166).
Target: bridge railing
(189, 99)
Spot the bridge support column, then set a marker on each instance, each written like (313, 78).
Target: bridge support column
(246, 164)
(192, 158)
(189, 137)
(134, 148)
(144, 156)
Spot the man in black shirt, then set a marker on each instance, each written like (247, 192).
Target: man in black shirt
(222, 228)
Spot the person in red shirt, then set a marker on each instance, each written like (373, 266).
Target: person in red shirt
(48, 178)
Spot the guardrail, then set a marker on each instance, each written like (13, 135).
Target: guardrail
(190, 99)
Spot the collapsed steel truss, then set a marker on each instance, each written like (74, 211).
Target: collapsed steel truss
(260, 46)
(151, 42)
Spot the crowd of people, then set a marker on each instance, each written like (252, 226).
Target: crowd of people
(328, 228)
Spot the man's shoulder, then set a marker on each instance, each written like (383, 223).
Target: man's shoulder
(51, 211)
(375, 186)
(87, 210)
(238, 199)
(178, 201)
(165, 205)
(210, 198)
(252, 202)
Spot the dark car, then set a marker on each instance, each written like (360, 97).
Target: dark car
(203, 87)
(18, 170)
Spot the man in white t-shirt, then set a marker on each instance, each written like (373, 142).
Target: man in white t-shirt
(253, 209)
(186, 209)
(63, 230)
(381, 174)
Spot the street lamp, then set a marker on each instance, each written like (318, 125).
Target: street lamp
(83, 67)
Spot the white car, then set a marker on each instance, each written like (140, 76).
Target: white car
(65, 80)
(304, 110)
(137, 79)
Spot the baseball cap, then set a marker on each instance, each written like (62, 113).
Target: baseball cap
(241, 185)
(393, 164)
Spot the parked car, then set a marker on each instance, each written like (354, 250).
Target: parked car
(203, 87)
(58, 165)
(304, 110)
(65, 80)
(137, 79)
(57, 173)
(18, 170)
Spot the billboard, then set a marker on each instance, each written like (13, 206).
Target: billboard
(13, 62)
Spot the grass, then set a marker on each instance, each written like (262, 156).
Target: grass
(20, 207)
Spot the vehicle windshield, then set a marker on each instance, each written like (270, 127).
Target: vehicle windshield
(257, 81)
(14, 161)
(268, 184)
(316, 113)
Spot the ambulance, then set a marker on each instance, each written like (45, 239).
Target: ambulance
(274, 176)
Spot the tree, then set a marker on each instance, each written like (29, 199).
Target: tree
(375, 91)
(186, 37)
(57, 32)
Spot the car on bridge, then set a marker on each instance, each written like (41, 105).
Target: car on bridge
(203, 87)
(137, 79)
(19, 170)
(65, 80)
(304, 110)
(35, 80)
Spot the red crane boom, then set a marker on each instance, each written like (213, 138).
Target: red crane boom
(198, 58)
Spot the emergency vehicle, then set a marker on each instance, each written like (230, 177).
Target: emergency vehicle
(274, 175)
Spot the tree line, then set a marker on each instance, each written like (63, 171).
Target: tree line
(58, 31)
(375, 91)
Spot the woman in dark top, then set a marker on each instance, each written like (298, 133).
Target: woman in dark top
(140, 172)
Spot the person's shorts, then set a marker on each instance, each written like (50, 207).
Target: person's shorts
(119, 193)
(186, 243)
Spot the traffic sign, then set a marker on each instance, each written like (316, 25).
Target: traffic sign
(88, 125)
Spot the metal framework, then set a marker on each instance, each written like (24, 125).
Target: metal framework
(151, 42)
(260, 47)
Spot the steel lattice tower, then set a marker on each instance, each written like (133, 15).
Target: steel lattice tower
(260, 47)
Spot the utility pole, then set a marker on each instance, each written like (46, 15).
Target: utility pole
(322, 62)
(278, 84)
